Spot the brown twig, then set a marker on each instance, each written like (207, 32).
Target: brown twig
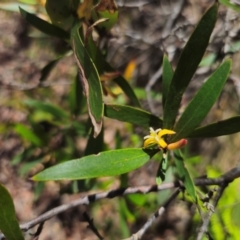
(39, 231)
(92, 226)
(207, 218)
(161, 210)
(221, 181)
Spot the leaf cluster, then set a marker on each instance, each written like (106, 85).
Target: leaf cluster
(73, 24)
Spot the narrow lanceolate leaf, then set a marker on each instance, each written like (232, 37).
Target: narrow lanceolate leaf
(167, 76)
(47, 69)
(199, 107)
(132, 115)
(125, 86)
(225, 127)
(162, 169)
(184, 175)
(105, 9)
(76, 97)
(188, 62)
(103, 66)
(127, 89)
(27, 134)
(230, 5)
(8, 221)
(109, 163)
(57, 112)
(94, 145)
(44, 26)
(14, 6)
(90, 80)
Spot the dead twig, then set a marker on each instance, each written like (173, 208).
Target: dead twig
(161, 210)
(91, 225)
(223, 180)
(206, 219)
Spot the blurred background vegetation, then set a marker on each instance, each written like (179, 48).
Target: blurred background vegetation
(44, 118)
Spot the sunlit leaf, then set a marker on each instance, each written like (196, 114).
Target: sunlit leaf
(27, 134)
(235, 214)
(230, 5)
(203, 101)
(109, 163)
(208, 60)
(184, 175)
(126, 217)
(30, 2)
(224, 127)
(54, 110)
(8, 221)
(14, 7)
(90, 80)
(132, 115)
(44, 26)
(137, 199)
(105, 9)
(187, 65)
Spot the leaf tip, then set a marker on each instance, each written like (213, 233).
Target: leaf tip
(33, 178)
(97, 126)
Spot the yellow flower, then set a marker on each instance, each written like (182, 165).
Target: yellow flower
(156, 137)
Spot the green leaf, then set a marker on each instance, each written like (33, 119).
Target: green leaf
(109, 163)
(225, 127)
(187, 65)
(95, 54)
(235, 212)
(90, 80)
(76, 97)
(44, 26)
(126, 217)
(137, 199)
(61, 12)
(162, 169)
(127, 89)
(208, 60)
(47, 69)
(94, 145)
(30, 2)
(27, 134)
(203, 101)
(8, 221)
(24, 169)
(167, 76)
(132, 115)
(55, 111)
(229, 4)
(103, 66)
(14, 7)
(106, 9)
(184, 175)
